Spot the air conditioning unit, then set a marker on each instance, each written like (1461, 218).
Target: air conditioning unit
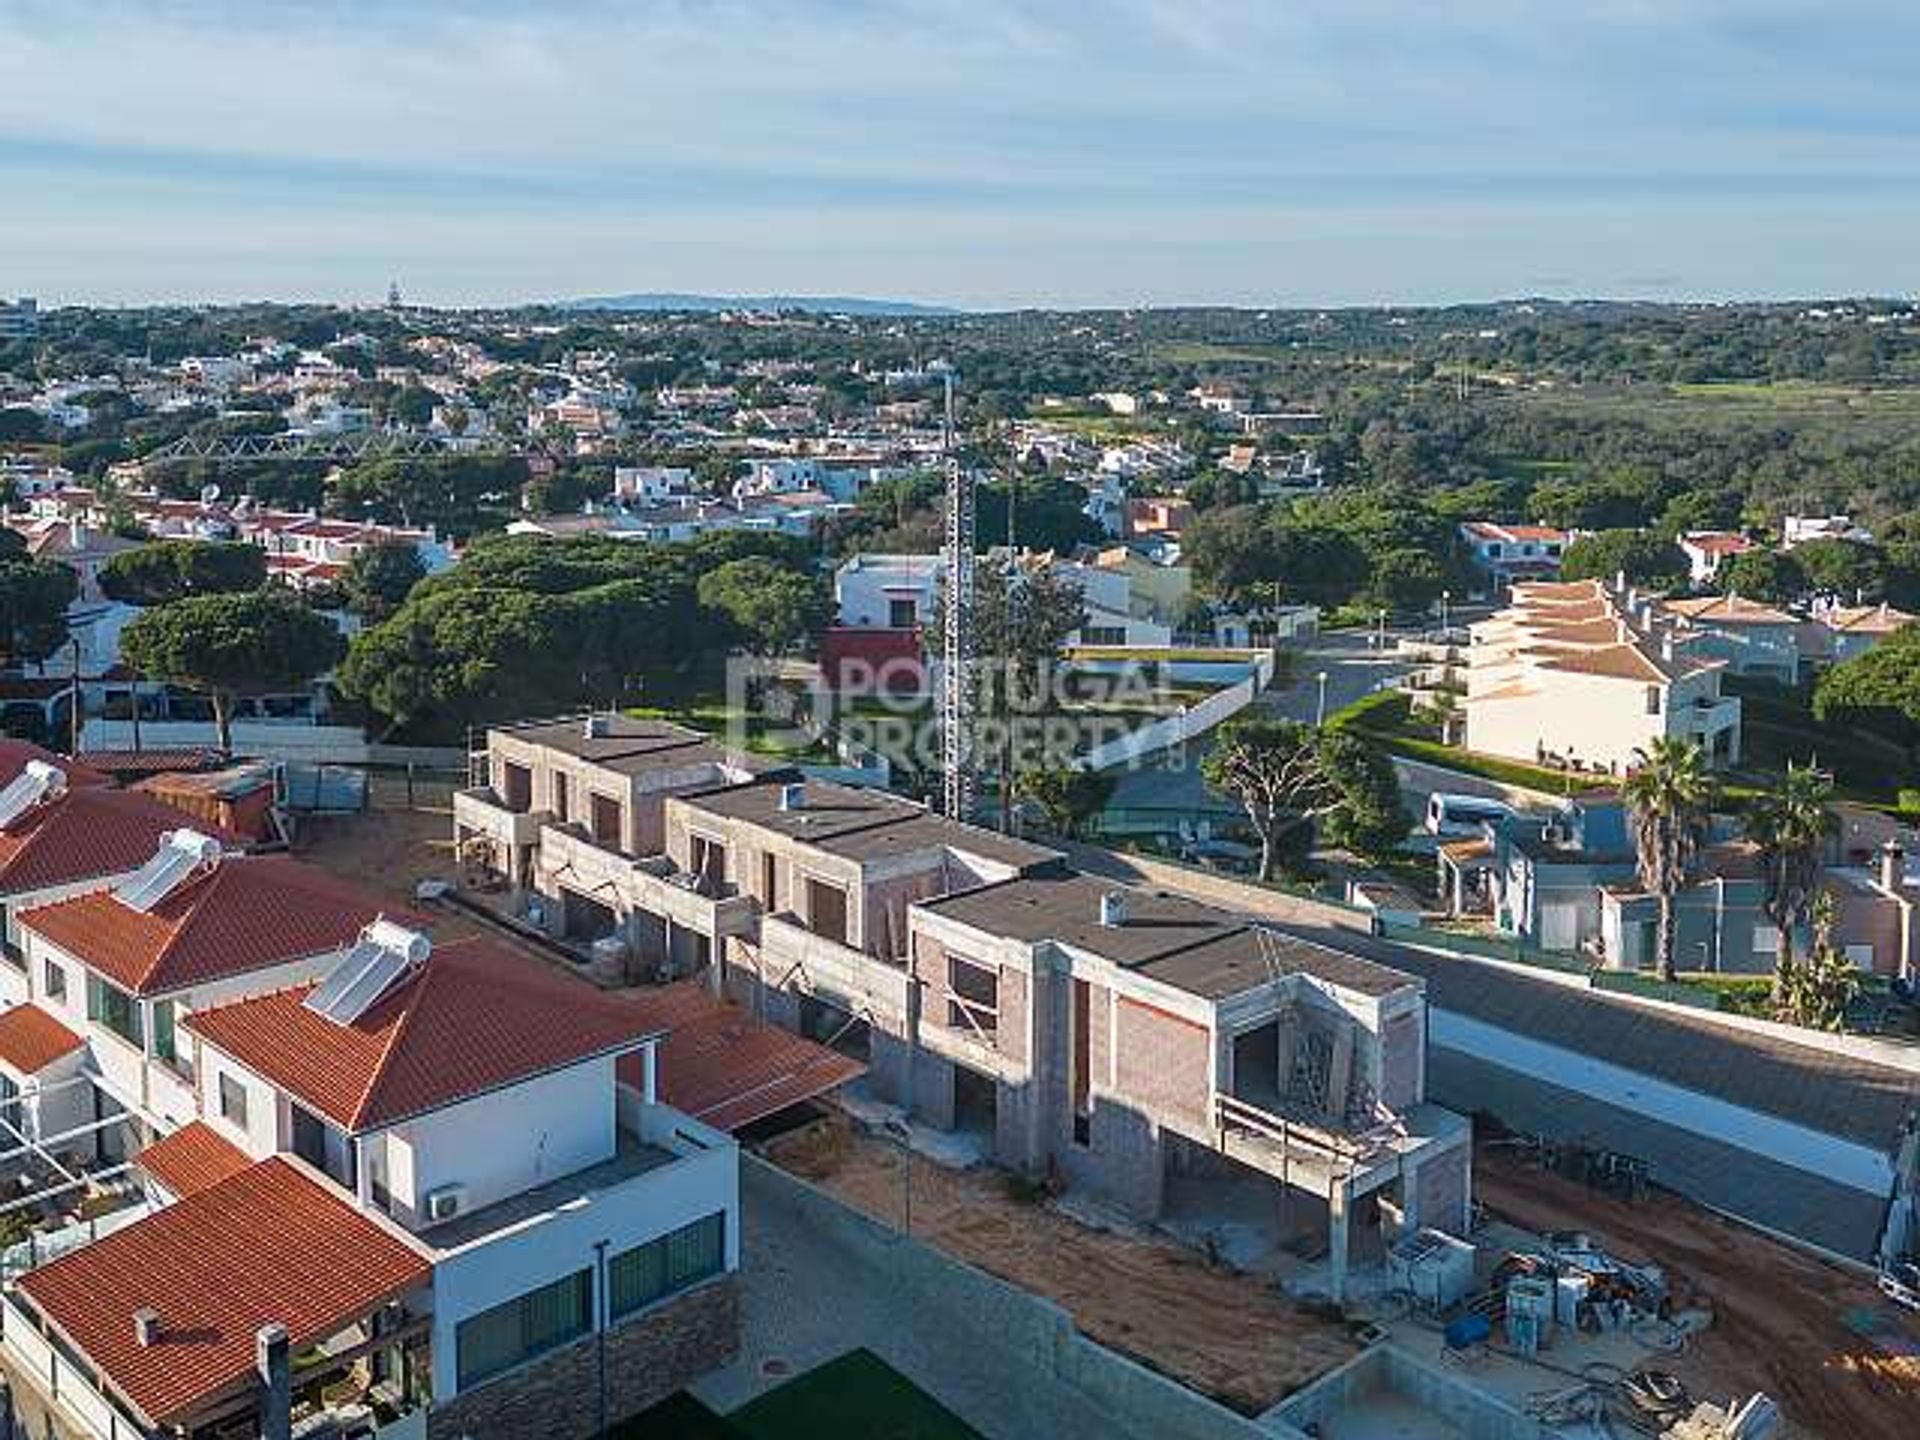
(445, 1202)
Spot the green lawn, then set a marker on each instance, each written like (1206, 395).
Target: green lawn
(857, 1397)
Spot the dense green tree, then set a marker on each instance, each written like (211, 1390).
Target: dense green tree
(1070, 797)
(168, 570)
(457, 494)
(227, 645)
(1644, 558)
(1852, 573)
(1275, 770)
(772, 607)
(1369, 817)
(34, 596)
(1773, 577)
(1885, 680)
(379, 578)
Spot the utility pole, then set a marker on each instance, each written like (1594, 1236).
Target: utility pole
(957, 668)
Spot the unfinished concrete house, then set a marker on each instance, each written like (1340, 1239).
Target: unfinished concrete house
(1124, 1038)
(1120, 1040)
(568, 817)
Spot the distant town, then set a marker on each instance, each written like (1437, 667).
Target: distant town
(656, 867)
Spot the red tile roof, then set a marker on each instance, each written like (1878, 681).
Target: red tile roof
(31, 1039)
(268, 1244)
(247, 913)
(14, 755)
(725, 1068)
(193, 1158)
(476, 1017)
(86, 834)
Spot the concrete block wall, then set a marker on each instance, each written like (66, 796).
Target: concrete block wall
(1441, 1191)
(1028, 1335)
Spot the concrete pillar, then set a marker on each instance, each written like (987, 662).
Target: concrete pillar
(650, 1074)
(1286, 1046)
(272, 1359)
(1340, 1070)
(1337, 1207)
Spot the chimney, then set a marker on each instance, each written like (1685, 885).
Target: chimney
(1893, 867)
(793, 796)
(595, 727)
(1113, 909)
(271, 1358)
(146, 1327)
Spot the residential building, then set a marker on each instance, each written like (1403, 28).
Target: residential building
(649, 485)
(1798, 529)
(1840, 632)
(1708, 550)
(1509, 554)
(344, 1213)
(19, 319)
(890, 592)
(1748, 637)
(1572, 675)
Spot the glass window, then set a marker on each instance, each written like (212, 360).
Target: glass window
(56, 981)
(113, 1009)
(233, 1101)
(515, 1332)
(164, 1016)
(638, 1277)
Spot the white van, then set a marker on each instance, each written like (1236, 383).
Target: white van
(1458, 815)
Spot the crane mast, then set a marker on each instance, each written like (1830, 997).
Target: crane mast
(957, 677)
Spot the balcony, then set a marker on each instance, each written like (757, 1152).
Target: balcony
(651, 884)
(479, 811)
(855, 981)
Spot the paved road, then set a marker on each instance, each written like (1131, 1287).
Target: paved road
(1354, 670)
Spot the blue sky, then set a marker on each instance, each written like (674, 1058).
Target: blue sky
(978, 152)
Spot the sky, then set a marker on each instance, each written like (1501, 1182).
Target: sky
(980, 153)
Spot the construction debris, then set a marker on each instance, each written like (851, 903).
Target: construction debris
(1757, 1419)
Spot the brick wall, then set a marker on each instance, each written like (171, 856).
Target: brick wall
(1442, 1190)
(1164, 1062)
(557, 1397)
(1011, 1037)
(1400, 1060)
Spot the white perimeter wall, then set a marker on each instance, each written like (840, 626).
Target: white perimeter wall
(1860, 1167)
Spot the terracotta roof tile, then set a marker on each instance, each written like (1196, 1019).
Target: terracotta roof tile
(1728, 610)
(191, 1159)
(476, 1017)
(726, 1069)
(14, 755)
(86, 834)
(268, 1244)
(247, 913)
(31, 1039)
(1619, 662)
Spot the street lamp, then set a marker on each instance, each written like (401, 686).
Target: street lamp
(901, 1135)
(1446, 601)
(1320, 705)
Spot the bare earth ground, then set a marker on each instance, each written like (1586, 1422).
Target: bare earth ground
(391, 848)
(1221, 1332)
(1777, 1311)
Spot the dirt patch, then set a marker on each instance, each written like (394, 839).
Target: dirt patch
(1778, 1312)
(1221, 1332)
(401, 839)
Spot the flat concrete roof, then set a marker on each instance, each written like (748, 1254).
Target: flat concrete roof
(926, 831)
(1184, 943)
(630, 746)
(826, 809)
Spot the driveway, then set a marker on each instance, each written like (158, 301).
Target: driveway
(1354, 670)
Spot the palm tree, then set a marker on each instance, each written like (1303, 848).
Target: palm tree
(1790, 828)
(1670, 795)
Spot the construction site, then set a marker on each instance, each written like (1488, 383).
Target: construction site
(1580, 1295)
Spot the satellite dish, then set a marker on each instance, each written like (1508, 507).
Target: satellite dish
(209, 494)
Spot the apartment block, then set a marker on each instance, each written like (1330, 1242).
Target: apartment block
(1578, 676)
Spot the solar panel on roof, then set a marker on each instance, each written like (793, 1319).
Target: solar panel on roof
(35, 782)
(367, 987)
(322, 998)
(180, 854)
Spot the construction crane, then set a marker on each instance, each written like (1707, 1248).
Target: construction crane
(350, 445)
(957, 667)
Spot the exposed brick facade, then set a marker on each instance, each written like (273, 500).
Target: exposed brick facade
(1164, 1061)
(557, 1397)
